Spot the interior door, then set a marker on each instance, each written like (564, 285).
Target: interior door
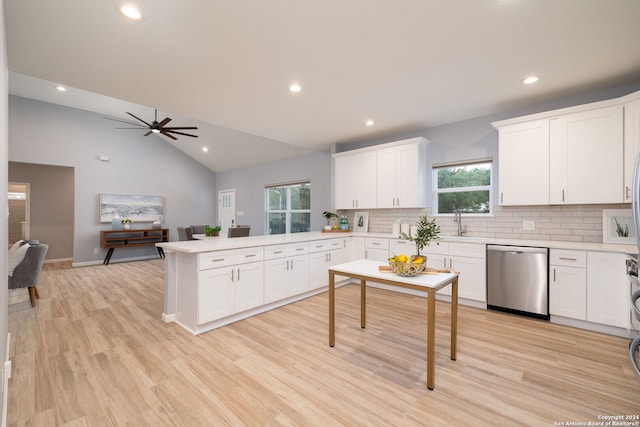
(226, 210)
(18, 223)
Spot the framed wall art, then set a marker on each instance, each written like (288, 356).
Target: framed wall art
(617, 226)
(136, 208)
(361, 221)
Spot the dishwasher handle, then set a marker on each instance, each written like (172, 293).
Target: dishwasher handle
(517, 249)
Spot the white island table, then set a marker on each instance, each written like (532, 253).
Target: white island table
(364, 270)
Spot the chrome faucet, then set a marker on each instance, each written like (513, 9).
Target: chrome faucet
(457, 217)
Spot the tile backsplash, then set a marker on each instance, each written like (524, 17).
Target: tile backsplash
(575, 223)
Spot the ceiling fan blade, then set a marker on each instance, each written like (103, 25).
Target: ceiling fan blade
(167, 135)
(138, 118)
(164, 122)
(148, 133)
(181, 127)
(164, 131)
(124, 121)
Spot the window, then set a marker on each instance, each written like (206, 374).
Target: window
(288, 208)
(464, 187)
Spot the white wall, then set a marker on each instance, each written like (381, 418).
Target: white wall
(4, 292)
(51, 134)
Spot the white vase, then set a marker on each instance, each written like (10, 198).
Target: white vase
(126, 226)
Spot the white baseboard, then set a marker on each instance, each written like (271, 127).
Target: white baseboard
(51, 261)
(112, 261)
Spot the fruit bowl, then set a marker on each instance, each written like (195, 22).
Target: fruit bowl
(407, 268)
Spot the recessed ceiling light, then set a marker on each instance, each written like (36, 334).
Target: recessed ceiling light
(369, 122)
(131, 12)
(295, 87)
(61, 88)
(205, 149)
(530, 80)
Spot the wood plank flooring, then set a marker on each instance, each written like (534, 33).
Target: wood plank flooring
(96, 353)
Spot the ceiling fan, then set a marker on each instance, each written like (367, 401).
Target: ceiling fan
(158, 127)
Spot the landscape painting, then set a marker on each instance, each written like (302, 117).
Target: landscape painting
(136, 208)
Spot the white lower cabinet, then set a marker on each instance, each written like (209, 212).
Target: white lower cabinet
(568, 283)
(468, 259)
(234, 287)
(324, 254)
(376, 248)
(286, 271)
(607, 289)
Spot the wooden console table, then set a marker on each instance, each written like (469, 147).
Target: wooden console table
(112, 239)
(364, 270)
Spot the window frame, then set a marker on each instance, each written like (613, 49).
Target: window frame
(436, 191)
(287, 211)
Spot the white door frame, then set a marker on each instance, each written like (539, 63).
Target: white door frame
(226, 210)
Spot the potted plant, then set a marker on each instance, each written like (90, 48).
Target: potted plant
(212, 231)
(427, 231)
(328, 215)
(126, 223)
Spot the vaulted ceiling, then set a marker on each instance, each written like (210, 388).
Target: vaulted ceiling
(226, 66)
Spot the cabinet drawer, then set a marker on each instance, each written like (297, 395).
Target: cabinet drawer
(434, 248)
(215, 259)
(374, 243)
(325, 245)
(569, 258)
(399, 246)
(287, 250)
(472, 250)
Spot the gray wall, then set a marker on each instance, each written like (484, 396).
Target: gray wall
(50, 134)
(476, 138)
(249, 184)
(52, 205)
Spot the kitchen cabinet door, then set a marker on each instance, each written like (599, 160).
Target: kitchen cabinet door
(355, 179)
(586, 157)
(276, 285)
(401, 178)
(631, 143)
(473, 277)
(319, 263)
(523, 163)
(568, 292)
(607, 289)
(215, 294)
(298, 276)
(248, 286)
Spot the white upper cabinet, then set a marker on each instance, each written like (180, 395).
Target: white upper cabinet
(631, 142)
(355, 180)
(586, 157)
(402, 175)
(383, 176)
(576, 155)
(523, 159)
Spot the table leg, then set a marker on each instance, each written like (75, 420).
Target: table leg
(108, 257)
(431, 338)
(332, 309)
(454, 317)
(363, 303)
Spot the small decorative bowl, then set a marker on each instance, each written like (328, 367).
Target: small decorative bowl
(407, 269)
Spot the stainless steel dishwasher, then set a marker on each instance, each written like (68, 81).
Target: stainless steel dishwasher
(518, 280)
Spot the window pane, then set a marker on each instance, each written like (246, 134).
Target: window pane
(300, 222)
(465, 201)
(277, 222)
(475, 175)
(277, 198)
(301, 197)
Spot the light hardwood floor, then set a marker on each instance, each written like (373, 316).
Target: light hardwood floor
(96, 353)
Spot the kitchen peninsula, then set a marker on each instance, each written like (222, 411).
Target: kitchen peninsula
(216, 281)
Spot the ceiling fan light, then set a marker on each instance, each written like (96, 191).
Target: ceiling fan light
(155, 130)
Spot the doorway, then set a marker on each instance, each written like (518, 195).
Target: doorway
(226, 210)
(18, 221)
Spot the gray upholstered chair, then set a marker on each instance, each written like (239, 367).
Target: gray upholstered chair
(26, 274)
(198, 229)
(185, 233)
(239, 231)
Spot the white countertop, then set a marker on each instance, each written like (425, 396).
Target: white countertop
(208, 244)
